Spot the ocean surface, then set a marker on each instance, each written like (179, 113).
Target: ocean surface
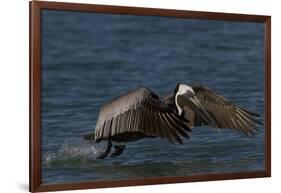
(90, 58)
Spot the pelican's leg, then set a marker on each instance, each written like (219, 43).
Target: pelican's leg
(118, 150)
(107, 150)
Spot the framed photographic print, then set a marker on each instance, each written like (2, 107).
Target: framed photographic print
(123, 96)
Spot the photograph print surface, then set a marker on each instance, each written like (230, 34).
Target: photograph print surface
(97, 66)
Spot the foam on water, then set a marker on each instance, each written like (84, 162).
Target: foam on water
(73, 150)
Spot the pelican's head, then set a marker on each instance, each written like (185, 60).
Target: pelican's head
(183, 90)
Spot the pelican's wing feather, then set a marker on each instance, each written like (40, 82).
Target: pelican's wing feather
(224, 113)
(138, 114)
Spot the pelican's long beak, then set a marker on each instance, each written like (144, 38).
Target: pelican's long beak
(194, 103)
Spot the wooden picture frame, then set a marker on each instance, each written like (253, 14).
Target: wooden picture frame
(36, 8)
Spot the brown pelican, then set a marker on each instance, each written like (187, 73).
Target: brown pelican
(142, 114)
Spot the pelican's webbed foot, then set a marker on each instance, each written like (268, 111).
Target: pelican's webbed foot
(106, 152)
(118, 150)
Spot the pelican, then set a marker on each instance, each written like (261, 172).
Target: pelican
(140, 114)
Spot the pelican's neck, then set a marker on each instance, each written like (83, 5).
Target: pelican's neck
(178, 107)
(182, 89)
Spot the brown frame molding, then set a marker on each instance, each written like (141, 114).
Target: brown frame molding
(35, 8)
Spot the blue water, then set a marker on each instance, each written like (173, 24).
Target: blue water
(88, 59)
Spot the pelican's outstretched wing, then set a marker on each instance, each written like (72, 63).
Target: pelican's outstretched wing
(219, 112)
(138, 114)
